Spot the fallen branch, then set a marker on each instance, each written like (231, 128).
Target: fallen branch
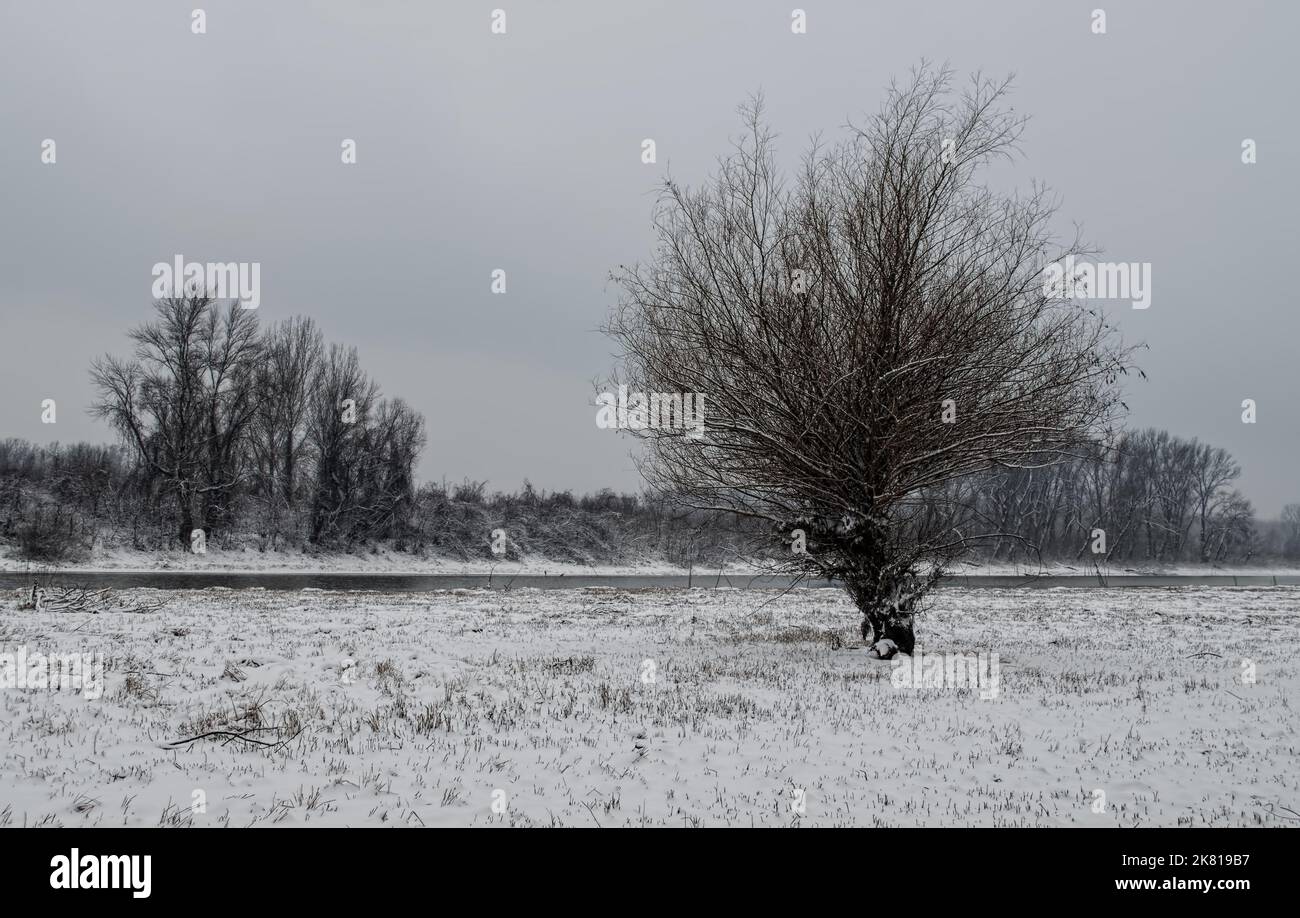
(81, 599)
(242, 736)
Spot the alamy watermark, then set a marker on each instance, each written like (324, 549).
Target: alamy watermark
(103, 871)
(68, 672)
(981, 671)
(1104, 280)
(231, 280)
(651, 411)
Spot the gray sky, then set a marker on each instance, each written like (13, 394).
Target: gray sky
(522, 151)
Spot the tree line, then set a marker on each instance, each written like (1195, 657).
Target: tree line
(1161, 499)
(270, 438)
(1145, 497)
(224, 419)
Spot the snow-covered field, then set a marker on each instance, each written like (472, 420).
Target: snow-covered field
(679, 708)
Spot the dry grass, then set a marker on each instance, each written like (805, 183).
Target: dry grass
(537, 708)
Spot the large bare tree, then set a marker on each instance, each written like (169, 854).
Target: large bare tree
(871, 331)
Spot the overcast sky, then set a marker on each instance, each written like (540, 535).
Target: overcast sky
(523, 152)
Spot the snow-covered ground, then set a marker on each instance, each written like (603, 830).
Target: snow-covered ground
(379, 561)
(1120, 570)
(679, 708)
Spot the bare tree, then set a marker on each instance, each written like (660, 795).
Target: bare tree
(394, 437)
(1291, 531)
(873, 331)
(1214, 470)
(1231, 529)
(231, 354)
(343, 396)
(292, 352)
(365, 450)
(184, 401)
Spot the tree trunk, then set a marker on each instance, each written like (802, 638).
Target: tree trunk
(186, 515)
(890, 626)
(289, 470)
(884, 617)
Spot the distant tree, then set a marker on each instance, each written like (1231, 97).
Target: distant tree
(342, 399)
(1291, 531)
(365, 449)
(394, 437)
(292, 352)
(1214, 470)
(184, 402)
